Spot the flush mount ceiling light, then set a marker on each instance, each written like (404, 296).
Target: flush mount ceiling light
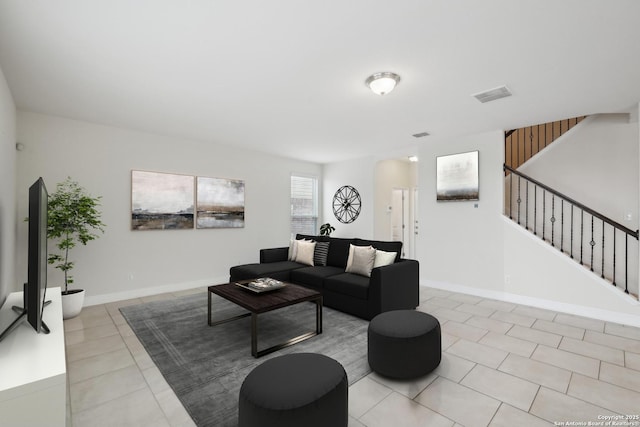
(382, 83)
(413, 159)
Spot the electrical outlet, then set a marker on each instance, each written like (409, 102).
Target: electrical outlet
(507, 279)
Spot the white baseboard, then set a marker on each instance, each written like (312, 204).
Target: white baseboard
(578, 310)
(145, 292)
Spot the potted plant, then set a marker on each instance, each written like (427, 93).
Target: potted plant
(73, 217)
(326, 229)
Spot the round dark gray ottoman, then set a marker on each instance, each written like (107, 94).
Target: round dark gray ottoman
(404, 344)
(302, 389)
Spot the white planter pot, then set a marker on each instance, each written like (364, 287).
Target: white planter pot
(72, 302)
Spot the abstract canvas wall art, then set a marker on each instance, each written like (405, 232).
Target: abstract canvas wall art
(220, 203)
(457, 177)
(161, 201)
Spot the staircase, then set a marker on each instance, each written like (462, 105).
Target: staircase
(604, 246)
(522, 144)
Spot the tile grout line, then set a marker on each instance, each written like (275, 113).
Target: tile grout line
(534, 399)
(391, 391)
(496, 413)
(155, 397)
(72, 412)
(586, 401)
(431, 409)
(617, 385)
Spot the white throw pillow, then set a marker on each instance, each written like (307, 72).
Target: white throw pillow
(361, 259)
(293, 249)
(384, 258)
(305, 252)
(350, 257)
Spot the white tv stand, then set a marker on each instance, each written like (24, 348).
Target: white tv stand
(33, 373)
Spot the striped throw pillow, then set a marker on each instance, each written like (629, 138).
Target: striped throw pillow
(320, 254)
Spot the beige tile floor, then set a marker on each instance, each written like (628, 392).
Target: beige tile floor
(503, 364)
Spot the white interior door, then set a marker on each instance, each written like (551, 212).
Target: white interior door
(400, 218)
(414, 221)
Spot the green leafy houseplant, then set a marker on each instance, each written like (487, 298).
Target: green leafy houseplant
(326, 229)
(73, 217)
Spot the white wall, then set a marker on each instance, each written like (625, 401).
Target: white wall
(125, 263)
(7, 191)
(595, 163)
(357, 173)
(534, 269)
(458, 242)
(479, 251)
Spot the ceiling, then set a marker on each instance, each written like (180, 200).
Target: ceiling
(287, 76)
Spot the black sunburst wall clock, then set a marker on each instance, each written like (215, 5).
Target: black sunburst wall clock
(346, 204)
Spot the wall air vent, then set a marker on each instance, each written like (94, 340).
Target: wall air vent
(493, 94)
(420, 135)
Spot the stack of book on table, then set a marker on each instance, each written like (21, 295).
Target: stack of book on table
(263, 284)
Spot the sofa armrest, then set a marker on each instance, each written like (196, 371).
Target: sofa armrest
(274, 254)
(395, 286)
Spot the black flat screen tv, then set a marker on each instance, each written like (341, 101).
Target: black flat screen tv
(36, 287)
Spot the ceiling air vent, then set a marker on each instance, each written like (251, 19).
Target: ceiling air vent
(420, 135)
(493, 94)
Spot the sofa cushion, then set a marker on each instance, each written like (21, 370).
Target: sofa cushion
(348, 284)
(274, 254)
(383, 246)
(253, 271)
(314, 276)
(338, 252)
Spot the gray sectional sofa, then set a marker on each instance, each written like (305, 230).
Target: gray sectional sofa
(390, 287)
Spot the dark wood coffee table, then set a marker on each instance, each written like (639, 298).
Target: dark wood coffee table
(261, 303)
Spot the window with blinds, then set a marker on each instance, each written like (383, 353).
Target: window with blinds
(304, 205)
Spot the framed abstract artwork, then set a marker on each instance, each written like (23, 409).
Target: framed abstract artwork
(457, 177)
(219, 203)
(161, 201)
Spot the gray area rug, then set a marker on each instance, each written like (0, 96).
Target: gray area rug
(205, 365)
